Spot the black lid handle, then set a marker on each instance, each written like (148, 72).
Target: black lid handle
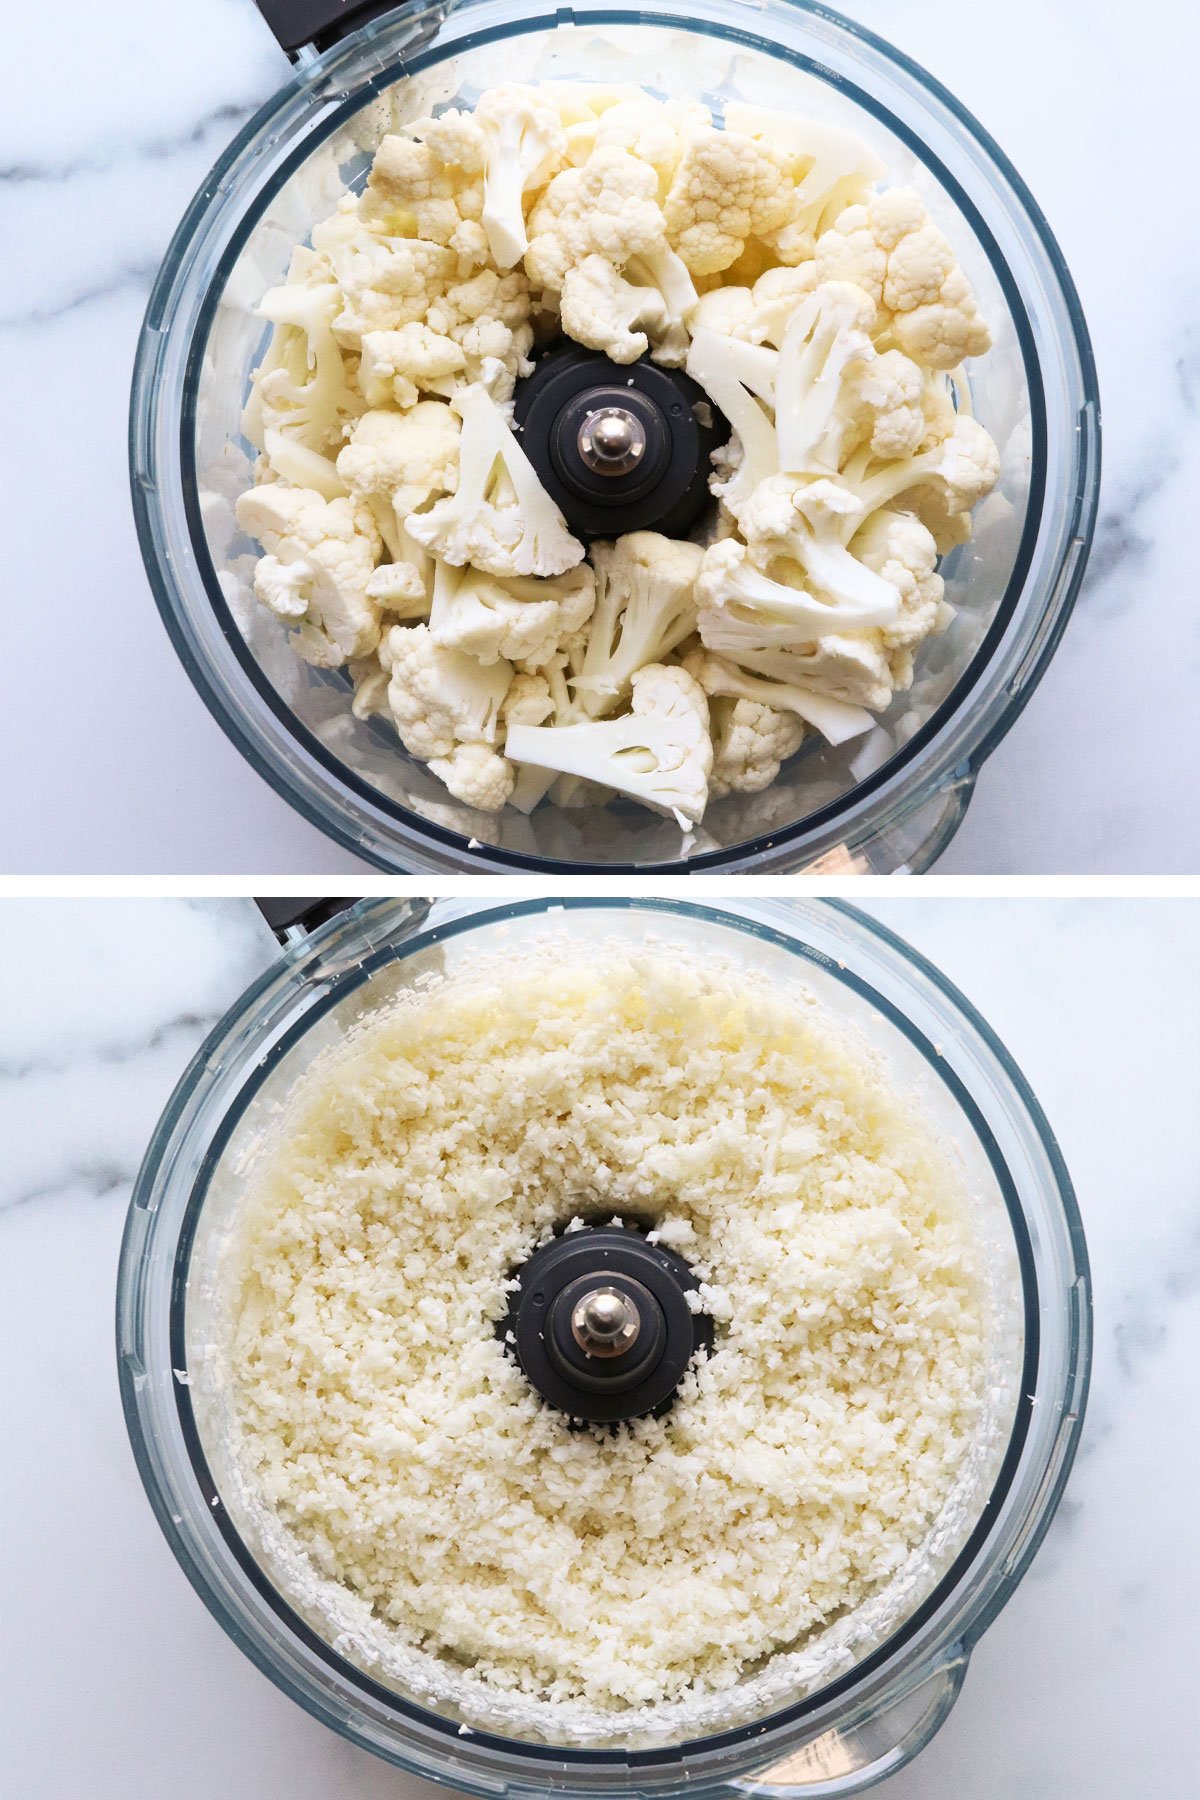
(318, 22)
(304, 914)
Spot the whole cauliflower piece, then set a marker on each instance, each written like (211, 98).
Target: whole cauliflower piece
(645, 608)
(412, 192)
(321, 555)
(750, 742)
(609, 208)
(500, 517)
(830, 168)
(438, 697)
(889, 247)
(727, 187)
(521, 620)
(385, 282)
(396, 463)
(604, 311)
(658, 753)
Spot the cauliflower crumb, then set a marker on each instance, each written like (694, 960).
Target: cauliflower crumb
(380, 1414)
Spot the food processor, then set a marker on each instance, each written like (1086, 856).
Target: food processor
(857, 1702)
(888, 801)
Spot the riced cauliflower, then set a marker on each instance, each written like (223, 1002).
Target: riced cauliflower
(825, 319)
(436, 1519)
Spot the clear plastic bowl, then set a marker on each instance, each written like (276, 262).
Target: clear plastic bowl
(889, 801)
(869, 1711)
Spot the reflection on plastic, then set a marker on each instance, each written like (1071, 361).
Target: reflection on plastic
(830, 1754)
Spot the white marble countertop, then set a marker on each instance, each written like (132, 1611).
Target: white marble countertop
(113, 114)
(116, 1684)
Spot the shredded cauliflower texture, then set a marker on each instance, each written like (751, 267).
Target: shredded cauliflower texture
(390, 1431)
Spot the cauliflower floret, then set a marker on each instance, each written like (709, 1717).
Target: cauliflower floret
(652, 130)
(396, 463)
(890, 248)
(778, 689)
(758, 314)
(439, 697)
(387, 282)
(736, 376)
(807, 523)
(524, 143)
(488, 317)
(301, 390)
(883, 406)
(398, 365)
(645, 608)
(500, 517)
(741, 608)
(727, 188)
(828, 330)
(321, 555)
(750, 741)
(521, 620)
(955, 474)
(412, 192)
(831, 169)
(609, 208)
(476, 775)
(850, 667)
(902, 550)
(603, 310)
(455, 137)
(659, 753)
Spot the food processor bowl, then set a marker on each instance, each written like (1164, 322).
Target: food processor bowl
(846, 1706)
(887, 801)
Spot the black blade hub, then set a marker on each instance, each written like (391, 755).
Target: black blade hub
(601, 1326)
(619, 447)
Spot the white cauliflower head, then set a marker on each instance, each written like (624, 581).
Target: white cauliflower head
(522, 620)
(645, 608)
(396, 463)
